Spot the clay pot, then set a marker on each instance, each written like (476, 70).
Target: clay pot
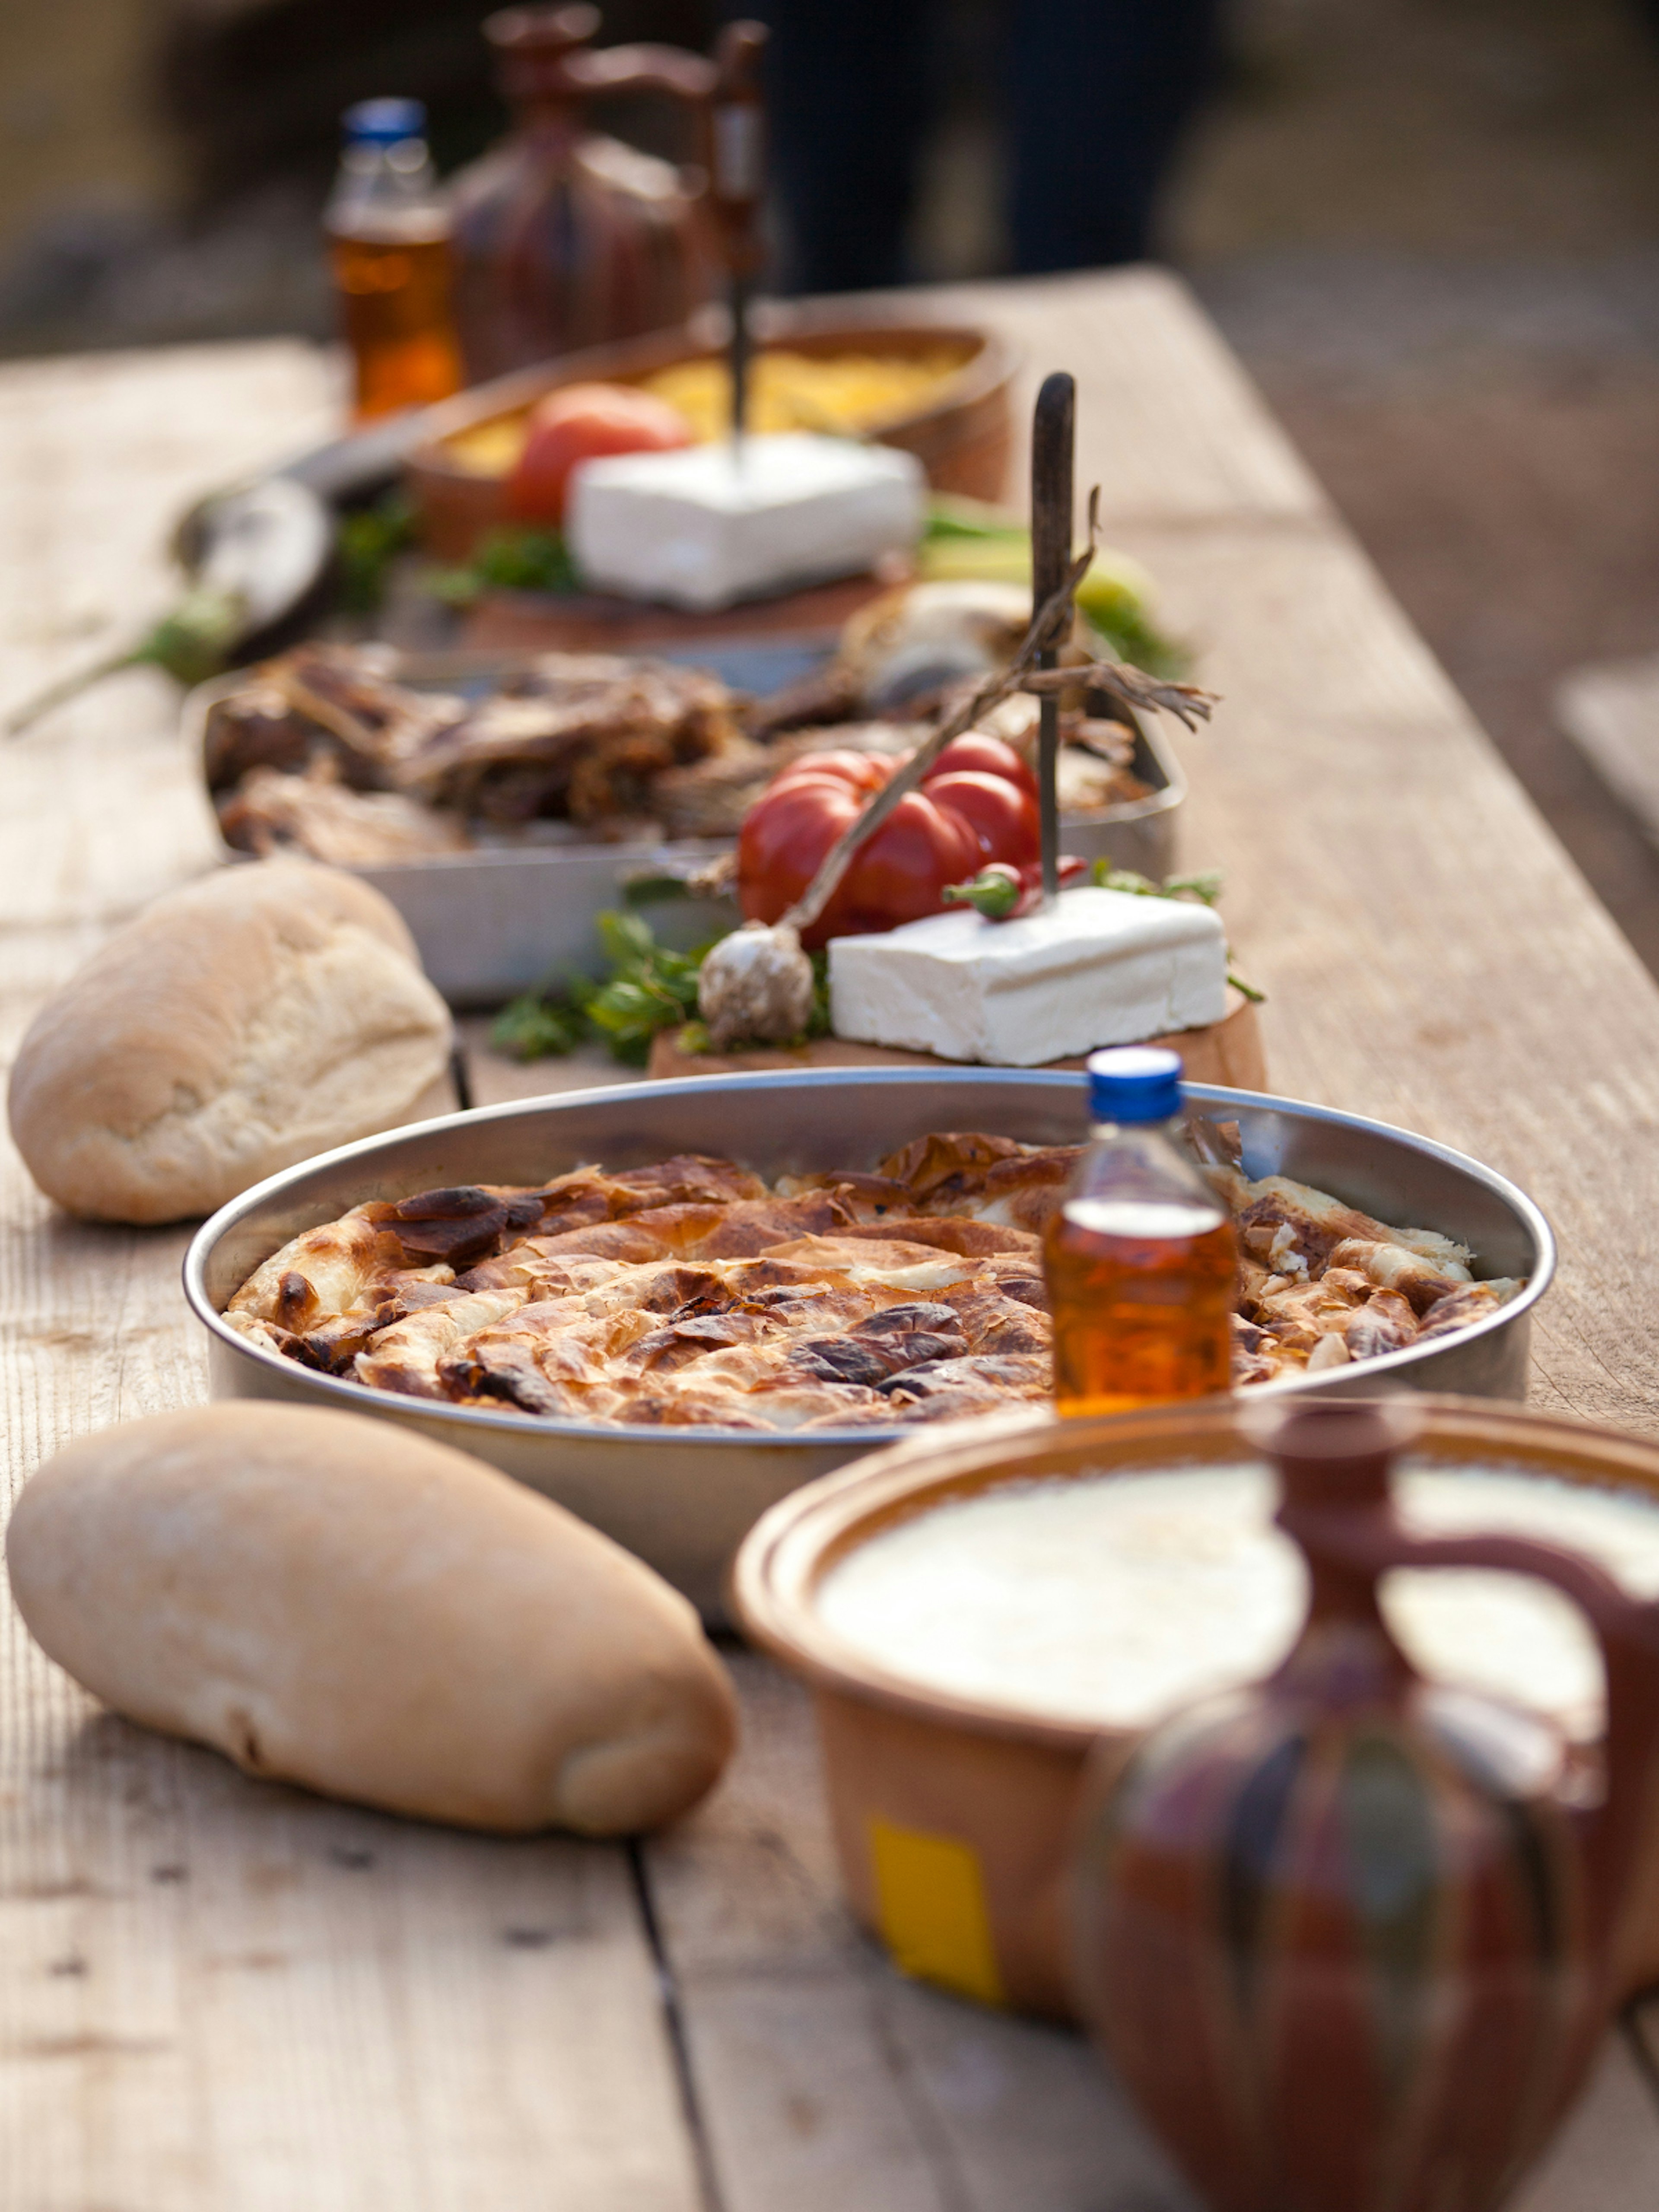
(953, 1819)
(1349, 1940)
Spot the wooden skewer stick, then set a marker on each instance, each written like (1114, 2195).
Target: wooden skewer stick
(1053, 438)
(1050, 625)
(737, 177)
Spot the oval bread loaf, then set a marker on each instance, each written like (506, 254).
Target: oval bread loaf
(246, 1022)
(332, 1600)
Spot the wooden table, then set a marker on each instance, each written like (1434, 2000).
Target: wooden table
(221, 1996)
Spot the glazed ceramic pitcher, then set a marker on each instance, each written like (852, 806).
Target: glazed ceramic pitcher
(563, 238)
(1348, 1938)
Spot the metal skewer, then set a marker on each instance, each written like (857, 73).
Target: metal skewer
(736, 182)
(1053, 433)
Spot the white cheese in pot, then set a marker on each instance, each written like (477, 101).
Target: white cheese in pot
(1115, 1600)
(1099, 968)
(712, 525)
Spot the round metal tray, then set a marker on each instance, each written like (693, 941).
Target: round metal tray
(684, 1499)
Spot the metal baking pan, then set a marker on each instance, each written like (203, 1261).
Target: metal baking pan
(683, 1500)
(504, 918)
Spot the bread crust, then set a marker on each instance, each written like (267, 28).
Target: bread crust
(237, 1026)
(334, 1602)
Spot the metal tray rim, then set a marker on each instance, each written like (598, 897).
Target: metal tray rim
(413, 668)
(350, 1394)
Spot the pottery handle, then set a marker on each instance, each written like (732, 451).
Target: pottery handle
(642, 67)
(1627, 1629)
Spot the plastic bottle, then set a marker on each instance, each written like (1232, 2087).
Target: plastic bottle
(1141, 1260)
(388, 232)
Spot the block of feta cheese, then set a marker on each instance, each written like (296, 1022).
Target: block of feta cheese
(711, 525)
(1099, 968)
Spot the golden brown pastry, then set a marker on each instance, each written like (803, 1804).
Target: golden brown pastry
(685, 1295)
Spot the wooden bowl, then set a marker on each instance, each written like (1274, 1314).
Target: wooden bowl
(963, 439)
(953, 1818)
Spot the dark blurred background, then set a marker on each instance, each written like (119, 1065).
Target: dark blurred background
(1430, 227)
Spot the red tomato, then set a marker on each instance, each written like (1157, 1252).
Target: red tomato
(967, 812)
(581, 423)
(900, 875)
(862, 773)
(990, 754)
(1004, 818)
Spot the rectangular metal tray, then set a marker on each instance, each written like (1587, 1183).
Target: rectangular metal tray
(684, 1499)
(500, 920)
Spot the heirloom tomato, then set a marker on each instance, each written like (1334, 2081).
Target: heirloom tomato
(586, 423)
(977, 803)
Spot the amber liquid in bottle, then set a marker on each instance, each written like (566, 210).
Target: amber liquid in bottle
(394, 307)
(1142, 1268)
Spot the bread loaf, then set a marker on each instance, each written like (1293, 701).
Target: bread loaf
(332, 1600)
(264, 1014)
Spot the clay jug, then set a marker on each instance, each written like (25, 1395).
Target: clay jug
(562, 238)
(1348, 1938)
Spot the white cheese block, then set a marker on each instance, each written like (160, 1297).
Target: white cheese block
(1099, 968)
(711, 525)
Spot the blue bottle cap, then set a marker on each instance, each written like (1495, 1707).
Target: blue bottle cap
(385, 122)
(1134, 1083)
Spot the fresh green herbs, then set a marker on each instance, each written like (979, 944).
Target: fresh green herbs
(1113, 606)
(540, 1026)
(519, 559)
(647, 987)
(1206, 889)
(368, 541)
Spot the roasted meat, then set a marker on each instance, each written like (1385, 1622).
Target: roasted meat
(576, 737)
(316, 814)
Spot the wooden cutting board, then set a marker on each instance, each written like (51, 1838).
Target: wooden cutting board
(1228, 1052)
(588, 622)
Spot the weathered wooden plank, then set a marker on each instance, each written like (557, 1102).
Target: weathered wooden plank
(821, 2072)
(1430, 953)
(213, 1991)
(1607, 2155)
(1180, 432)
(221, 1992)
(1642, 2025)
(99, 808)
(497, 1079)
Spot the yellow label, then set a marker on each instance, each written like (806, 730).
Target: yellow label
(930, 1893)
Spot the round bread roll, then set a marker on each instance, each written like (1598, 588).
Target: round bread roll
(248, 1021)
(333, 1602)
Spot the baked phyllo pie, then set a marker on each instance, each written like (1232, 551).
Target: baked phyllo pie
(691, 1293)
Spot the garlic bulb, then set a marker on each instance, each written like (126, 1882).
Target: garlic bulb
(756, 983)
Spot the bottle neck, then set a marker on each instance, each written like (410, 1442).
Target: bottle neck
(1105, 1133)
(394, 187)
(1143, 1160)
